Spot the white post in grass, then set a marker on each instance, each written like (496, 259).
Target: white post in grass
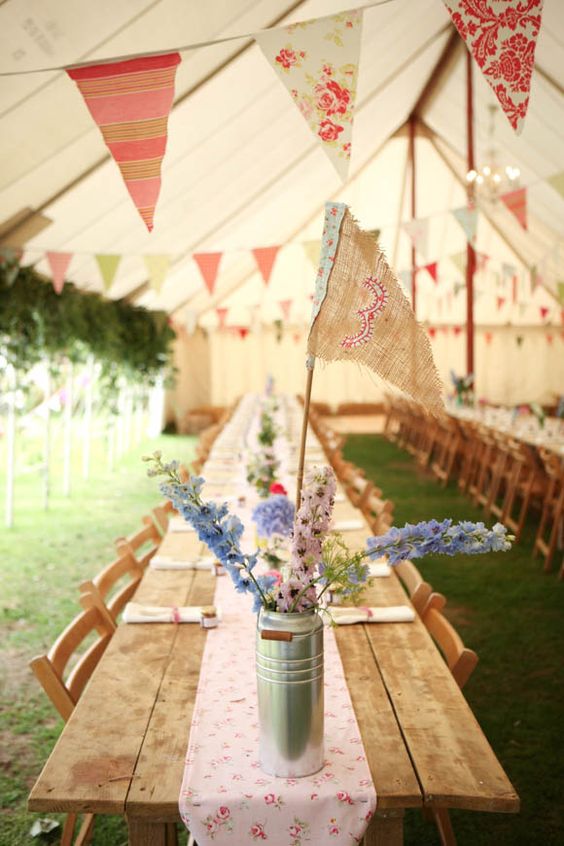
(128, 417)
(156, 408)
(10, 444)
(138, 415)
(47, 440)
(87, 419)
(67, 430)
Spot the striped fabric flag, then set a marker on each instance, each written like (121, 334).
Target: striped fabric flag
(360, 313)
(130, 102)
(58, 265)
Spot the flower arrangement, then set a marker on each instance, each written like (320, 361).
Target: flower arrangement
(275, 515)
(319, 561)
(261, 470)
(463, 387)
(268, 432)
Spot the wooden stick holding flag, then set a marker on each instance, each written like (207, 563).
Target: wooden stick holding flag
(361, 314)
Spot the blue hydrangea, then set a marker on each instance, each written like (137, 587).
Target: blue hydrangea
(274, 516)
(435, 537)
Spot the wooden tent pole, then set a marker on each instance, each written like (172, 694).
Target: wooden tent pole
(412, 128)
(470, 253)
(10, 444)
(301, 462)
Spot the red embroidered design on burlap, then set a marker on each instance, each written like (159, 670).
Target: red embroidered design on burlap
(367, 314)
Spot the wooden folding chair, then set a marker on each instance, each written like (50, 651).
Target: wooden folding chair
(461, 663)
(379, 513)
(50, 670)
(551, 526)
(447, 443)
(142, 544)
(114, 586)
(417, 588)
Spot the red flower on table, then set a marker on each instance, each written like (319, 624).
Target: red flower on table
(343, 796)
(257, 832)
(329, 131)
(223, 813)
(332, 98)
(277, 488)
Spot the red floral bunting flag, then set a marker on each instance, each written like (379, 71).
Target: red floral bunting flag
(500, 302)
(317, 62)
(502, 37)
(543, 310)
(265, 258)
(130, 102)
(221, 316)
(58, 263)
(432, 271)
(286, 306)
(209, 265)
(516, 202)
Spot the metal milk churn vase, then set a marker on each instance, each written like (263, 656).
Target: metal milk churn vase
(289, 663)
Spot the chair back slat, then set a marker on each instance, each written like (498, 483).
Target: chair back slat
(461, 661)
(81, 672)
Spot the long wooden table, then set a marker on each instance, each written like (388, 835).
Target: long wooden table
(123, 749)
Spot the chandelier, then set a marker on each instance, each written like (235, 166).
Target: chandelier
(493, 179)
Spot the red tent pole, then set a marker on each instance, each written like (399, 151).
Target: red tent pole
(470, 253)
(412, 126)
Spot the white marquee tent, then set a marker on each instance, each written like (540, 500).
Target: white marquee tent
(242, 170)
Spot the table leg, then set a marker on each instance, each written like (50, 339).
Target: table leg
(386, 828)
(143, 832)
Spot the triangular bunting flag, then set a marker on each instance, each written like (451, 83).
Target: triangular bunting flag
(107, 265)
(488, 337)
(221, 316)
(459, 261)
(209, 265)
(418, 231)
(130, 102)
(432, 271)
(265, 258)
(500, 302)
(58, 264)
(468, 219)
(458, 287)
(457, 330)
(516, 202)
(360, 313)
(502, 38)
(557, 182)
(406, 279)
(312, 250)
(432, 332)
(242, 331)
(481, 261)
(285, 305)
(157, 268)
(317, 61)
(297, 337)
(519, 339)
(549, 338)
(543, 311)
(560, 292)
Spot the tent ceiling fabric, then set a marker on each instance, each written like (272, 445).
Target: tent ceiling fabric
(241, 168)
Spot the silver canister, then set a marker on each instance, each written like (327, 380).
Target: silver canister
(290, 692)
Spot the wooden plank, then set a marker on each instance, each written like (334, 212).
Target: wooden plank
(158, 775)
(92, 764)
(455, 764)
(390, 765)
(385, 829)
(183, 546)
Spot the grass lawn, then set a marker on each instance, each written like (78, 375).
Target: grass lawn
(511, 614)
(42, 561)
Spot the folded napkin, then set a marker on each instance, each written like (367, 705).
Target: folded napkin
(178, 524)
(169, 562)
(348, 525)
(380, 570)
(391, 614)
(135, 613)
(339, 497)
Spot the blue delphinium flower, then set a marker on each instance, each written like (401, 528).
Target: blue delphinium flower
(274, 516)
(435, 537)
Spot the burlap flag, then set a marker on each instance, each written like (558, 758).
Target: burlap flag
(209, 265)
(360, 313)
(317, 61)
(516, 202)
(107, 265)
(418, 231)
(265, 258)
(501, 36)
(557, 182)
(130, 102)
(58, 264)
(468, 219)
(312, 251)
(157, 268)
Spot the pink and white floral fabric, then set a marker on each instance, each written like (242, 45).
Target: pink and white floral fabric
(317, 61)
(502, 36)
(226, 799)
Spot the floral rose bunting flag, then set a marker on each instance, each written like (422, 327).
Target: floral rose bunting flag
(317, 61)
(130, 102)
(501, 36)
(360, 313)
(58, 264)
